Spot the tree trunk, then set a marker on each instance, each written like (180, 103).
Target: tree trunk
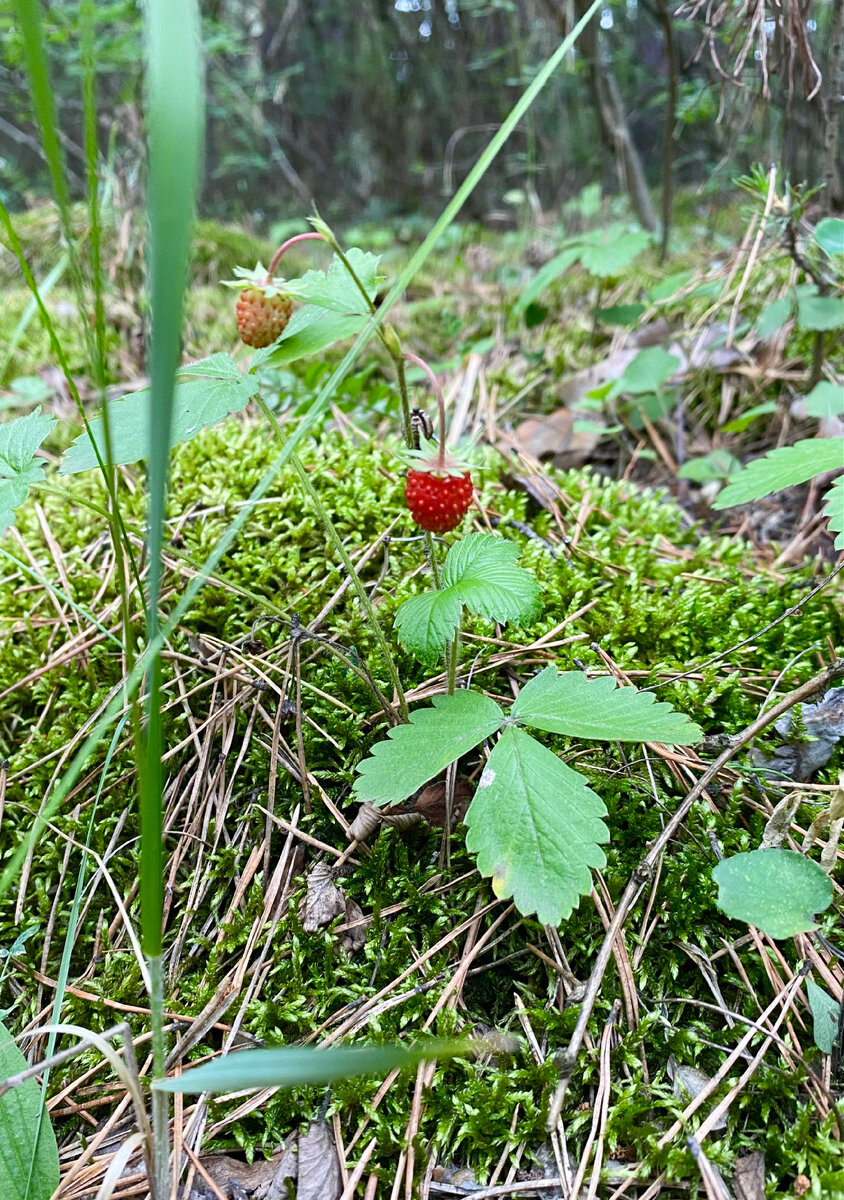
(610, 111)
(831, 194)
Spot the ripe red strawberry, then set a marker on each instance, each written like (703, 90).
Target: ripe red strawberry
(438, 501)
(262, 317)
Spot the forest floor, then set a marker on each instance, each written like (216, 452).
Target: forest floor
(700, 1066)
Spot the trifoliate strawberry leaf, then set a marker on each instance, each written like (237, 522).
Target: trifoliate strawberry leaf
(535, 827)
(575, 706)
(335, 289)
(826, 1013)
(18, 467)
(206, 393)
(426, 623)
(482, 570)
(480, 573)
(781, 468)
(778, 891)
(412, 754)
(834, 509)
(310, 330)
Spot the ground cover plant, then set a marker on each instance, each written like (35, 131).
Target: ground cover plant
(427, 735)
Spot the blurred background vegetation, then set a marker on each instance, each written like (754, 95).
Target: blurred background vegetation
(376, 110)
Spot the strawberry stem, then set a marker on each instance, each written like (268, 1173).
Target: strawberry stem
(276, 258)
(420, 362)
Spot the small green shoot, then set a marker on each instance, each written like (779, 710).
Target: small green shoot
(19, 468)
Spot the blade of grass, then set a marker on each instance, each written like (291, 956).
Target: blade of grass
(174, 130)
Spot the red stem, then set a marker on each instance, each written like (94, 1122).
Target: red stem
(420, 362)
(300, 237)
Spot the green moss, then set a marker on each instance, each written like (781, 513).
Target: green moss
(668, 598)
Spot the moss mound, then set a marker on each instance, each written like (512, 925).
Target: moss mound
(631, 579)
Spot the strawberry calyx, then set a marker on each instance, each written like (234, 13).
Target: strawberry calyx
(256, 277)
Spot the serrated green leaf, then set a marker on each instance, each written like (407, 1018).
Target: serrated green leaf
(412, 754)
(480, 573)
(214, 388)
(818, 312)
(647, 372)
(544, 277)
(825, 400)
(20, 1124)
(482, 570)
(782, 468)
(425, 623)
(309, 331)
(834, 509)
(826, 1014)
(303, 1066)
(18, 467)
(335, 289)
(829, 234)
(575, 706)
(778, 891)
(772, 317)
(604, 254)
(535, 827)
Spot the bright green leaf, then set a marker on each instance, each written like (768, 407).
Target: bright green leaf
(482, 570)
(575, 706)
(335, 289)
(620, 314)
(778, 891)
(20, 1123)
(782, 468)
(214, 388)
(826, 1014)
(18, 467)
(825, 400)
(605, 253)
(818, 312)
(647, 372)
(303, 1066)
(829, 234)
(309, 331)
(834, 509)
(544, 277)
(746, 419)
(480, 573)
(772, 317)
(718, 464)
(535, 827)
(667, 288)
(427, 622)
(412, 754)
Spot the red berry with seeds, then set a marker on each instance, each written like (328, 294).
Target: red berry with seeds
(438, 502)
(261, 318)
